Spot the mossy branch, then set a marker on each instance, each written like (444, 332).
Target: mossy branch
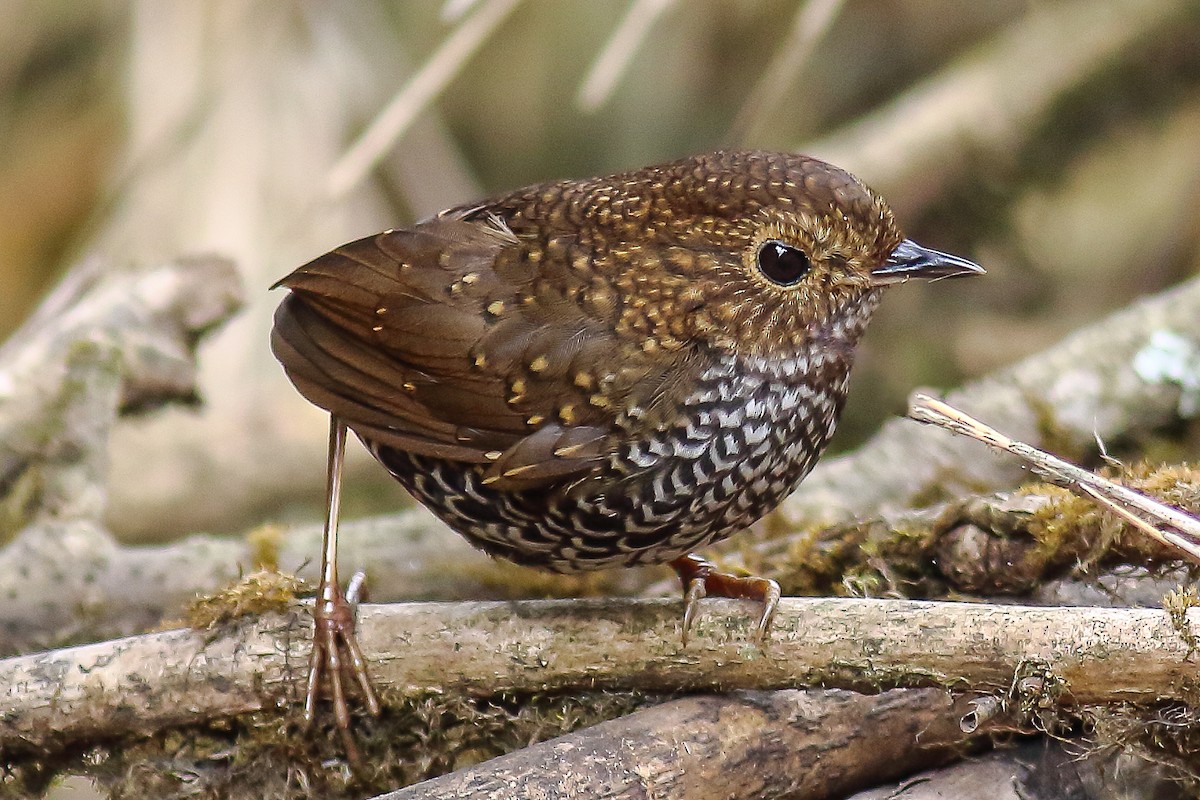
(1009, 543)
(1164, 524)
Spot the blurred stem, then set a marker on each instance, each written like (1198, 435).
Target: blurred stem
(395, 119)
(812, 21)
(618, 52)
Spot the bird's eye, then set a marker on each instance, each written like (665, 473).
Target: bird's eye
(781, 263)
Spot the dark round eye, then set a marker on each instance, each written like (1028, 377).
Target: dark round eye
(781, 263)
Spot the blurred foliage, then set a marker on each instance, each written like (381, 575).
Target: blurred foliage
(1101, 206)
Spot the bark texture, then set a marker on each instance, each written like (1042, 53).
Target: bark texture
(144, 683)
(745, 744)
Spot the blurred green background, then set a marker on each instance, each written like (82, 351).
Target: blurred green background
(1057, 143)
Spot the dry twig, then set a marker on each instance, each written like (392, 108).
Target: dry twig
(1166, 525)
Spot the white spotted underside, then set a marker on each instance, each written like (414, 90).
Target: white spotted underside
(750, 431)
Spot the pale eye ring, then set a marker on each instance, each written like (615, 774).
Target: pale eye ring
(781, 263)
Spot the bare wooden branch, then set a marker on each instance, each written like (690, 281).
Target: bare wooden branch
(155, 316)
(1007, 543)
(69, 580)
(745, 744)
(184, 676)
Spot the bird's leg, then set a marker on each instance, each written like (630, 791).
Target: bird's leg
(701, 578)
(333, 614)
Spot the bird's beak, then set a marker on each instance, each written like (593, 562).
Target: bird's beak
(911, 260)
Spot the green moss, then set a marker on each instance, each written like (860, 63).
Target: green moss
(859, 559)
(1058, 532)
(811, 565)
(1070, 528)
(1036, 691)
(1061, 524)
(258, 593)
(20, 497)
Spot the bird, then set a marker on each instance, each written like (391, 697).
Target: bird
(597, 373)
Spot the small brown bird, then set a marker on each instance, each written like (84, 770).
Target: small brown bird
(598, 373)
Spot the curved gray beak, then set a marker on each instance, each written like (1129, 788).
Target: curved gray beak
(911, 260)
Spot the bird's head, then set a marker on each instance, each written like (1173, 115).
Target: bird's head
(762, 253)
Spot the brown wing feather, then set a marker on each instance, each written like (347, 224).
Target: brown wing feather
(392, 334)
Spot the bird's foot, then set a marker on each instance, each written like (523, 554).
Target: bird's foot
(701, 578)
(337, 656)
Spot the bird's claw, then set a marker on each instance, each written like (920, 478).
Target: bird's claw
(701, 578)
(336, 654)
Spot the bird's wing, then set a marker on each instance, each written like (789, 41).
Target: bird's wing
(446, 341)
